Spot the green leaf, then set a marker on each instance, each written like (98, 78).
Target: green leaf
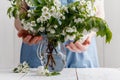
(101, 25)
(108, 35)
(14, 12)
(55, 73)
(9, 10)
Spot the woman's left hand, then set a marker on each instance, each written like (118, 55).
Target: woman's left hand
(80, 47)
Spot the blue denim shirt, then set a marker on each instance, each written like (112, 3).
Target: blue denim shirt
(87, 59)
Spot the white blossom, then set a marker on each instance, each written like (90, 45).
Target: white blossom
(63, 33)
(82, 9)
(23, 21)
(28, 25)
(38, 20)
(94, 29)
(73, 8)
(63, 17)
(41, 71)
(43, 18)
(53, 8)
(52, 12)
(55, 26)
(31, 29)
(29, 11)
(82, 2)
(46, 71)
(45, 9)
(29, 15)
(85, 32)
(78, 20)
(25, 64)
(52, 31)
(57, 3)
(65, 9)
(57, 15)
(74, 28)
(92, 13)
(70, 37)
(46, 15)
(42, 29)
(33, 23)
(24, 70)
(89, 5)
(69, 29)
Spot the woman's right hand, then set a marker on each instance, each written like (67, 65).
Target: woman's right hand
(28, 38)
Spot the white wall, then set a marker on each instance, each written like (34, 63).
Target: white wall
(112, 51)
(10, 44)
(6, 38)
(9, 55)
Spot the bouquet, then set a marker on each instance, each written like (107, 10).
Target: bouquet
(58, 22)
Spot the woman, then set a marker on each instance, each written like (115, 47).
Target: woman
(85, 57)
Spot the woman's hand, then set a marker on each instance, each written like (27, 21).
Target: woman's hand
(23, 7)
(81, 47)
(28, 38)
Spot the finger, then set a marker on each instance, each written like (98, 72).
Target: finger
(73, 47)
(87, 41)
(23, 10)
(78, 45)
(25, 4)
(81, 46)
(22, 33)
(39, 39)
(27, 39)
(68, 47)
(33, 40)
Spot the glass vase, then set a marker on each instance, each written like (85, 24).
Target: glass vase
(52, 57)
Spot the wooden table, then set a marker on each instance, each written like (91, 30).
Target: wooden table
(66, 74)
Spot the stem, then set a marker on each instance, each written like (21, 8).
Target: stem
(50, 58)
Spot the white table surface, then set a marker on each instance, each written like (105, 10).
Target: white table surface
(66, 74)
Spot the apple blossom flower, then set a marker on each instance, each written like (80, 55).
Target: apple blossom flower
(43, 18)
(64, 8)
(52, 31)
(41, 71)
(63, 33)
(38, 20)
(70, 37)
(69, 30)
(94, 29)
(42, 29)
(47, 15)
(73, 8)
(45, 9)
(33, 23)
(57, 3)
(55, 26)
(63, 17)
(29, 15)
